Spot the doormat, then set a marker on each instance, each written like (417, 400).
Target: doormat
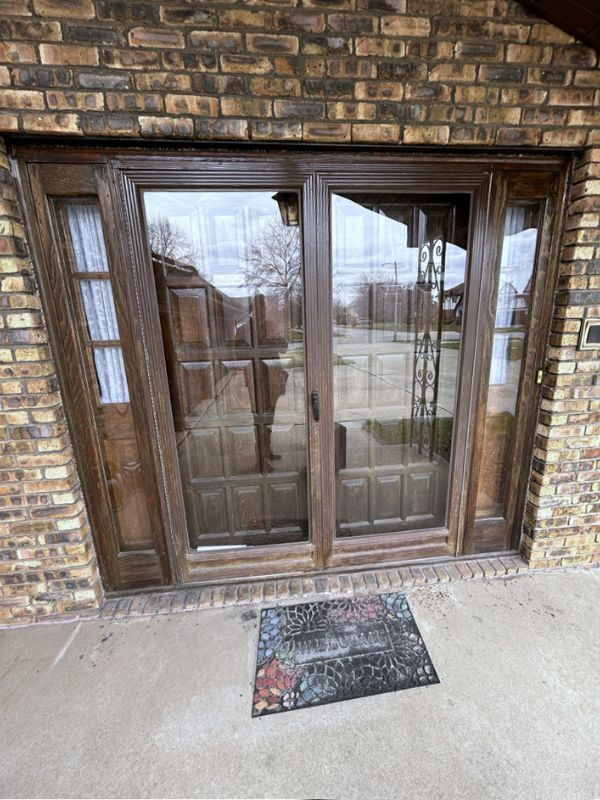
(324, 652)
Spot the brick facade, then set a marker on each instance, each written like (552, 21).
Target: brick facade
(562, 518)
(47, 559)
(468, 73)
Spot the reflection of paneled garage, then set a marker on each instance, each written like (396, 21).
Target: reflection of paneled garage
(244, 476)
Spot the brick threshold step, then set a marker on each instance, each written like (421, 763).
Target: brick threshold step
(174, 601)
(285, 590)
(308, 587)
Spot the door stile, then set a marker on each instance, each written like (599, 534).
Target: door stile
(316, 371)
(486, 243)
(324, 365)
(150, 355)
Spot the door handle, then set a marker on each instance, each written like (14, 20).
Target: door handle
(316, 406)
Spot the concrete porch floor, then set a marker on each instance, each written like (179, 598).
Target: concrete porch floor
(160, 706)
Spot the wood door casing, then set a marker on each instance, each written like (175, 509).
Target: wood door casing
(117, 179)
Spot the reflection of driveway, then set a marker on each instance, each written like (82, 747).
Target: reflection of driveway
(365, 333)
(377, 375)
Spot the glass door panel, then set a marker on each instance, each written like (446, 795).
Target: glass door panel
(229, 278)
(508, 350)
(398, 273)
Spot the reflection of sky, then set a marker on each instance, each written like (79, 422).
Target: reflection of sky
(365, 241)
(220, 226)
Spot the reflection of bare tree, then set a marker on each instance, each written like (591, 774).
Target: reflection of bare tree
(366, 288)
(171, 242)
(273, 260)
(340, 306)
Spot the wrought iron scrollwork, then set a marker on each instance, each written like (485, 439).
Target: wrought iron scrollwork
(428, 337)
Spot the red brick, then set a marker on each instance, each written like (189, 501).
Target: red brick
(265, 43)
(17, 53)
(216, 40)
(191, 104)
(22, 99)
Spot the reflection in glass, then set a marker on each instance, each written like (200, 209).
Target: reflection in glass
(228, 272)
(512, 312)
(398, 287)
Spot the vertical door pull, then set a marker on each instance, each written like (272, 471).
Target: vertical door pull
(316, 408)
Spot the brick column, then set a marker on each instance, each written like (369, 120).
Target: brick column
(47, 559)
(562, 518)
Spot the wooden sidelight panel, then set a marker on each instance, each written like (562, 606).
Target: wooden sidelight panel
(517, 308)
(83, 286)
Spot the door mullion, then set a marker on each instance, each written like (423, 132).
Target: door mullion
(488, 229)
(318, 369)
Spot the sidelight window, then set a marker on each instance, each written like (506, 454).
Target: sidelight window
(96, 300)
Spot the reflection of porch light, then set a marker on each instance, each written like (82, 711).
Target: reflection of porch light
(288, 208)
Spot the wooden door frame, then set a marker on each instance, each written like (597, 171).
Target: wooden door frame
(548, 186)
(40, 184)
(128, 173)
(130, 179)
(317, 179)
(422, 178)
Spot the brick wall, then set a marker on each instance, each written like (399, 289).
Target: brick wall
(469, 73)
(47, 560)
(562, 519)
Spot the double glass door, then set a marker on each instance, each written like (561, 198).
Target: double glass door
(322, 362)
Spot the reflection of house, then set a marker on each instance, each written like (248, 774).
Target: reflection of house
(512, 305)
(453, 303)
(522, 305)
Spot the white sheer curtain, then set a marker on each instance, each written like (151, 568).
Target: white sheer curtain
(85, 227)
(99, 307)
(110, 369)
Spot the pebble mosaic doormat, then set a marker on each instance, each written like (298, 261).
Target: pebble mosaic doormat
(316, 653)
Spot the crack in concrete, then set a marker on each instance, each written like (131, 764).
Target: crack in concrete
(66, 646)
